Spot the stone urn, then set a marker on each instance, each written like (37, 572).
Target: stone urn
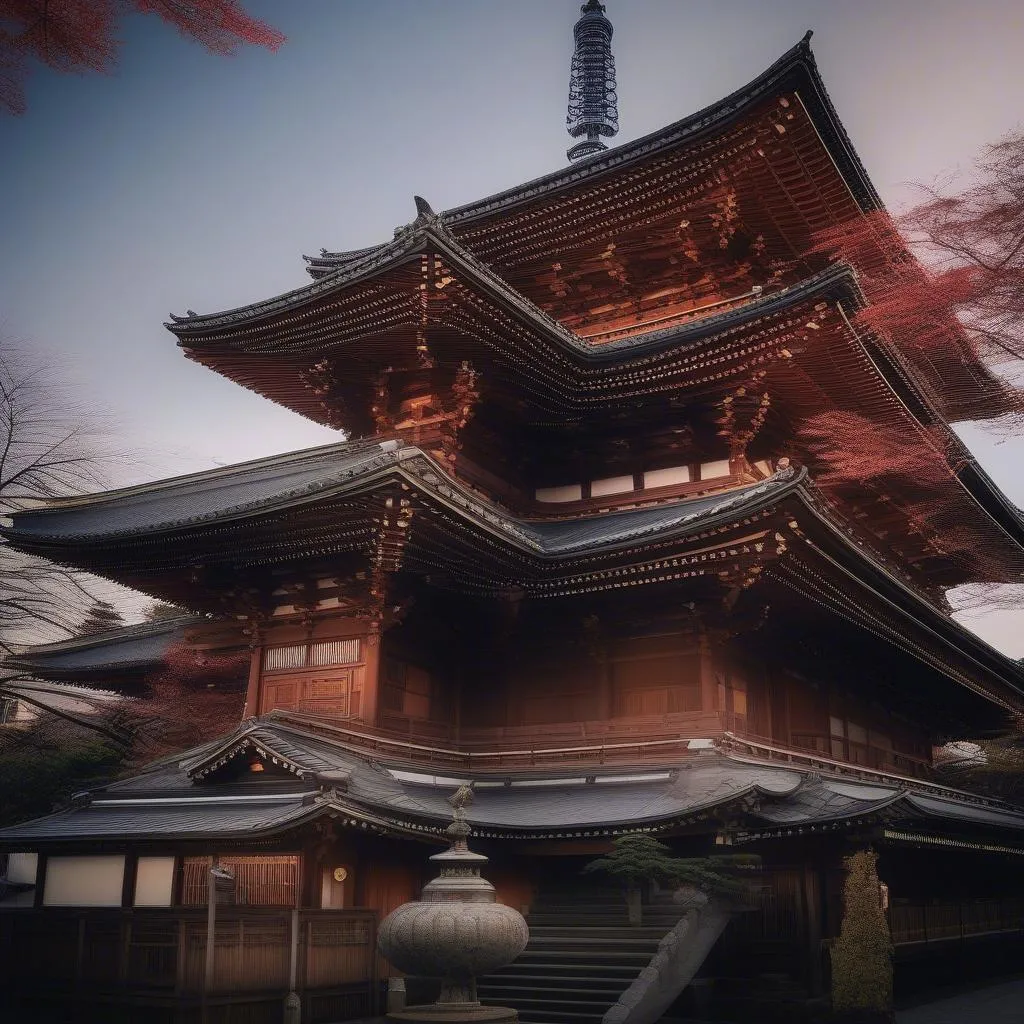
(456, 931)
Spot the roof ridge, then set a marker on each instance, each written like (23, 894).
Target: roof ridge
(131, 631)
(798, 56)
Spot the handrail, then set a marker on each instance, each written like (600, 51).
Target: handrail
(373, 738)
(725, 740)
(845, 768)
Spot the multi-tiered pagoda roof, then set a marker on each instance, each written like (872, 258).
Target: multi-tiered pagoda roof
(597, 381)
(665, 296)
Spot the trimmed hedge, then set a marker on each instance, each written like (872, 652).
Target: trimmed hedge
(862, 955)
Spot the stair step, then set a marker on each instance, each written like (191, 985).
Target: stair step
(589, 942)
(561, 992)
(582, 955)
(559, 1017)
(556, 970)
(598, 932)
(588, 956)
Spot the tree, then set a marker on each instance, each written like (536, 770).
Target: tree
(946, 278)
(862, 955)
(48, 449)
(193, 698)
(101, 617)
(992, 767)
(159, 610)
(639, 859)
(81, 35)
(944, 284)
(48, 762)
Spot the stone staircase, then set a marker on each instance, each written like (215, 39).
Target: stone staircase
(581, 957)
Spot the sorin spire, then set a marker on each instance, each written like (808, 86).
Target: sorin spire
(593, 103)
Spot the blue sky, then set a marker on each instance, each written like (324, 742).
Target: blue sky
(186, 180)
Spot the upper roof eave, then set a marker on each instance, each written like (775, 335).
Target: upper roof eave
(902, 597)
(130, 647)
(797, 64)
(405, 247)
(370, 473)
(797, 67)
(838, 278)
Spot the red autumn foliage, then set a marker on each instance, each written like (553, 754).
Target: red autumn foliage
(945, 282)
(194, 698)
(849, 453)
(944, 290)
(80, 35)
(847, 448)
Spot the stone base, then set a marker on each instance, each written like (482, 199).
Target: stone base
(456, 1013)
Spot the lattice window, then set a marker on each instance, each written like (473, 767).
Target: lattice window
(333, 652)
(339, 933)
(277, 658)
(270, 881)
(319, 654)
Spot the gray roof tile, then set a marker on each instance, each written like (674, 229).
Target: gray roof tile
(165, 802)
(133, 646)
(252, 488)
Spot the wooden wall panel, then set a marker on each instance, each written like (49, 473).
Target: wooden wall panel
(655, 676)
(334, 692)
(632, 678)
(512, 888)
(386, 885)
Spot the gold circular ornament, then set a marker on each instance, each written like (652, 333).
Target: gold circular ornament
(340, 874)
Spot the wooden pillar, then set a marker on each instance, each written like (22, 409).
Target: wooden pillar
(37, 896)
(252, 693)
(370, 701)
(131, 869)
(812, 911)
(605, 697)
(708, 683)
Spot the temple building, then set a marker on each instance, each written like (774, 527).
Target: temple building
(579, 550)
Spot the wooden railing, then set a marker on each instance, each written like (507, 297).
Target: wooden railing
(866, 754)
(914, 924)
(675, 726)
(655, 739)
(626, 741)
(132, 954)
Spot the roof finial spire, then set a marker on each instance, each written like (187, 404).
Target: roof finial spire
(593, 103)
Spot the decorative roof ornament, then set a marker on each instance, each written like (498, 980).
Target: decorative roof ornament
(593, 102)
(425, 218)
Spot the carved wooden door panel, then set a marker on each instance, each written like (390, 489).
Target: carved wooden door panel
(282, 693)
(327, 694)
(334, 692)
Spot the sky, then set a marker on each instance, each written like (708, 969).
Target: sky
(187, 180)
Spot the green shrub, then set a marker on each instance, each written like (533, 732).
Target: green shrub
(862, 955)
(638, 859)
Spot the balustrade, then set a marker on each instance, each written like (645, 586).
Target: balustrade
(911, 924)
(132, 954)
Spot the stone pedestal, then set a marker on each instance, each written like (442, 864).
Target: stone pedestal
(440, 1013)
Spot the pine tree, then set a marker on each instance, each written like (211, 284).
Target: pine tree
(159, 610)
(639, 859)
(101, 617)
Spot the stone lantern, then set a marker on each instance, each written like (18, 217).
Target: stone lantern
(455, 932)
